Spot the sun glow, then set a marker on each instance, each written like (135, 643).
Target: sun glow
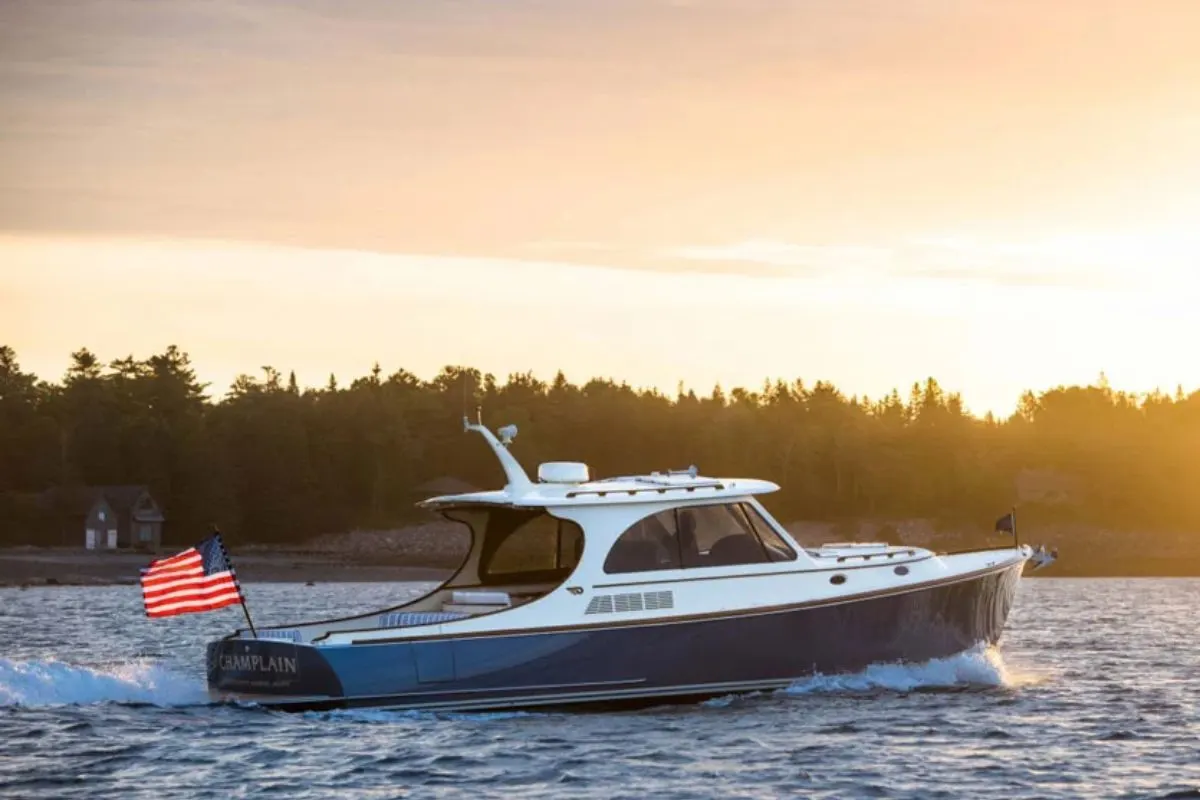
(999, 196)
(883, 323)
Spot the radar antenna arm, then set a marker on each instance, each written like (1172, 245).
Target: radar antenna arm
(518, 481)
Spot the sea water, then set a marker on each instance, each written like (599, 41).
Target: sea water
(1094, 692)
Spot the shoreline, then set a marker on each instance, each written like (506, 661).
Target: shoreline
(24, 567)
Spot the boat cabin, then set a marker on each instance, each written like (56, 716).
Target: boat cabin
(568, 532)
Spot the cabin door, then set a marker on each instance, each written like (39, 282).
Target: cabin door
(90, 540)
(112, 539)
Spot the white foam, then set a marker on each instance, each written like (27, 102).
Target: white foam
(979, 667)
(51, 683)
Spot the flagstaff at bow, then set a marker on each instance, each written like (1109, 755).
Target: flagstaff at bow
(1041, 557)
(200, 578)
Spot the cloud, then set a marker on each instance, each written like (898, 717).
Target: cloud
(796, 259)
(1095, 261)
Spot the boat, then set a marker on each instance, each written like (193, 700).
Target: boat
(623, 592)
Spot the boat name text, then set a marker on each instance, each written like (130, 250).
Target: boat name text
(253, 662)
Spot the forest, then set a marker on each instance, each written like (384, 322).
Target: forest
(271, 462)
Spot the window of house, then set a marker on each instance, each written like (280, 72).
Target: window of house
(100, 514)
(145, 533)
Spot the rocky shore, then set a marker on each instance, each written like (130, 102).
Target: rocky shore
(418, 553)
(431, 551)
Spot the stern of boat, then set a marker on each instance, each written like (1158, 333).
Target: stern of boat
(266, 670)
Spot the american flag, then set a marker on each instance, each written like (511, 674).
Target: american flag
(198, 579)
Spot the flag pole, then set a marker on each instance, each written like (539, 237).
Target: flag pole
(236, 582)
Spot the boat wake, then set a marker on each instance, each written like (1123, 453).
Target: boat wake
(57, 683)
(143, 682)
(978, 668)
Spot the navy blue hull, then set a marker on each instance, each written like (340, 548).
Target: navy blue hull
(626, 664)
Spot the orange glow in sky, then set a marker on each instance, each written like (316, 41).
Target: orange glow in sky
(1001, 195)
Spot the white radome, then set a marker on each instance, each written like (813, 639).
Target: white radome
(563, 472)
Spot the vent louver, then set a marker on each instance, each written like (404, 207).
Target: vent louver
(620, 603)
(657, 600)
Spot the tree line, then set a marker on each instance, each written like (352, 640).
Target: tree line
(271, 462)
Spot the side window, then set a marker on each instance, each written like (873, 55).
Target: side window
(648, 544)
(717, 536)
(521, 546)
(777, 548)
(531, 547)
(695, 537)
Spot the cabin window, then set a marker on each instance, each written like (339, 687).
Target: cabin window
(696, 537)
(649, 544)
(528, 546)
(717, 536)
(777, 548)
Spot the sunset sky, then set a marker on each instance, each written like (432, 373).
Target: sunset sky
(1003, 195)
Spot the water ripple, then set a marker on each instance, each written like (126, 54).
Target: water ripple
(1095, 692)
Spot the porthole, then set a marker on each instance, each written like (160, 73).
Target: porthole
(901, 570)
(838, 580)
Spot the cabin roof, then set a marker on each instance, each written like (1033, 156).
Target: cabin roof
(123, 498)
(653, 488)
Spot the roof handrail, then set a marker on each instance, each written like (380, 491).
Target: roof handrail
(661, 488)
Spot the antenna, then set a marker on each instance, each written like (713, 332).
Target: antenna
(466, 414)
(518, 481)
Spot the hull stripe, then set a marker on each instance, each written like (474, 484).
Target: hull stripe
(516, 700)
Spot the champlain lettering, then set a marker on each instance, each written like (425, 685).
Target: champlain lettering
(253, 662)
